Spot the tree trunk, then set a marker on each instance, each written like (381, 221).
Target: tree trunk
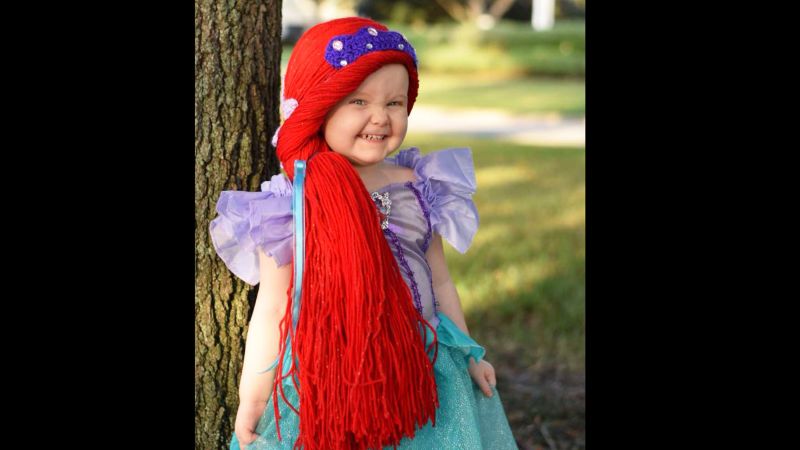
(237, 88)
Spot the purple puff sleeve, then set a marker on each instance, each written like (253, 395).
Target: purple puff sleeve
(251, 220)
(446, 179)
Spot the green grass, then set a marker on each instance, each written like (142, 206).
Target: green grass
(515, 95)
(522, 282)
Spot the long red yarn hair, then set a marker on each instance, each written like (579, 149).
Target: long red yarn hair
(362, 372)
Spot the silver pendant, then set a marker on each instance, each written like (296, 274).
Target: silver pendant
(384, 204)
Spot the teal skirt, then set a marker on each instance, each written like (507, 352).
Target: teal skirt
(465, 420)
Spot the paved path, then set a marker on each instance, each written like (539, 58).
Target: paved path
(544, 129)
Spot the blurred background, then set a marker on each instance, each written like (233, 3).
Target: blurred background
(506, 79)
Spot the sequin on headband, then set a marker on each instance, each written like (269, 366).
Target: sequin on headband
(346, 48)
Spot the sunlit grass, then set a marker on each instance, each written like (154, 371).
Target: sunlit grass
(522, 281)
(515, 95)
(500, 175)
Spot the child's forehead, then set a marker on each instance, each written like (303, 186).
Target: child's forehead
(389, 86)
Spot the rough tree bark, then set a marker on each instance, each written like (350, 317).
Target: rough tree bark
(237, 88)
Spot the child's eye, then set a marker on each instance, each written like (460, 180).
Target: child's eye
(357, 100)
(398, 103)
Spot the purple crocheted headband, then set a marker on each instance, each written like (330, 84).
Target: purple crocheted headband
(346, 48)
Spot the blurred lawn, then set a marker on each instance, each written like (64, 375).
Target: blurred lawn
(566, 97)
(522, 281)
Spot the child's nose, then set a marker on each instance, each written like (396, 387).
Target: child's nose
(380, 116)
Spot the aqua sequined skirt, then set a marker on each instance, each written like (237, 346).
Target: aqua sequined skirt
(466, 419)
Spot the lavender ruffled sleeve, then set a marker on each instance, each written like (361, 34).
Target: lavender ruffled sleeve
(446, 179)
(251, 220)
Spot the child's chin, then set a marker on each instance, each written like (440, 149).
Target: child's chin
(368, 160)
(374, 156)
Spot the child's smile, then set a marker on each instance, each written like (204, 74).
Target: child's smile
(373, 137)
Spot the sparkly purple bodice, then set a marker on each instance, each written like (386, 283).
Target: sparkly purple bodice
(408, 232)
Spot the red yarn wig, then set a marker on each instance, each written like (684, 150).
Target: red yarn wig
(365, 378)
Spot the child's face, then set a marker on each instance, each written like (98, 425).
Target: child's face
(377, 107)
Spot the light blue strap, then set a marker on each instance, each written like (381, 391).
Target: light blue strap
(299, 249)
(299, 234)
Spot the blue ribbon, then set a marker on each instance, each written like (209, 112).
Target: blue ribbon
(299, 234)
(299, 250)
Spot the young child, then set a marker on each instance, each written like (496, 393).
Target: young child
(379, 354)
